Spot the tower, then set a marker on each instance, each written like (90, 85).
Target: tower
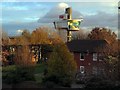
(67, 23)
(68, 11)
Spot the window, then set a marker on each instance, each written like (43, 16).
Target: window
(100, 57)
(94, 56)
(81, 56)
(82, 69)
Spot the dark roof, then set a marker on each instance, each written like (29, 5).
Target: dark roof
(85, 45)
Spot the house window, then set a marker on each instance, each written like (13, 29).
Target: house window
(82, 69)
(81, 56)
(100, 57)
(94, 56)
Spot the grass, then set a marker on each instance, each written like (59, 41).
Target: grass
(8, 68)
(39, 68)
(38, 78)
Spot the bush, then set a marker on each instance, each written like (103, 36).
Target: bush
(17, 74)
(80, 78)
(9, 76)
(98, 82)
(66, 81)
(26, 73)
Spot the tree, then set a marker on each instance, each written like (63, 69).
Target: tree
(23, 57)
(5, 38)
(26, 34)
(98, 33)
(55, 39)
(4, 52)
(39, 36)
(117, 66)
(61, 65)
(109, 52)
(110, 37)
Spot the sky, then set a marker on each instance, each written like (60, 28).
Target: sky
(17, 16)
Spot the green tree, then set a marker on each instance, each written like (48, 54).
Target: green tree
(61, 65)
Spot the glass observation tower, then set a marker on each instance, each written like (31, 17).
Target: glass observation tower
(66, 22)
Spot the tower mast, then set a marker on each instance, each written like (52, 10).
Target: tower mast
(67, 23)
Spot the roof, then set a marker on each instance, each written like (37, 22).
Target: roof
(85, 45)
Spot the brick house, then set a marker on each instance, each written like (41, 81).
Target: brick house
(87, 56)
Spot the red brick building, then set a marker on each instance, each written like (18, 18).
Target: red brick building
(87, 56)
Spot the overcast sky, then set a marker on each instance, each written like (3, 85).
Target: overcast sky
(30, 15)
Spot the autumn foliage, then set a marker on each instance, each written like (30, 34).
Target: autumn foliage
(23, 57)
(110, 52)
(98, 33)
(40, 36)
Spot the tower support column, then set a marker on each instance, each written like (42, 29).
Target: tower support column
(69, 35)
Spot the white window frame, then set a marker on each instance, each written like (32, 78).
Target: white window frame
(83, 56)
(95, 56)
(82, 69)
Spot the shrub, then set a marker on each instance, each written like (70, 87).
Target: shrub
(66, 81)
(9, 76)
(26, 73)
(17, 74)
(99, 82)
(24, 69)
